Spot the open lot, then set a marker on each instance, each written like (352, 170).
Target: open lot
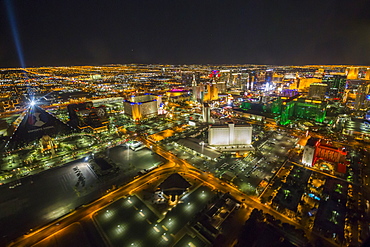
(130, 221)
(60, 190)
(131, 162)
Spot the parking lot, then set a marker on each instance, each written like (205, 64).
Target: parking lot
(247, 173)
(130, 221)
(131, 162)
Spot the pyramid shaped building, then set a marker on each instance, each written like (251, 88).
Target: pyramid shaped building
(33, 124)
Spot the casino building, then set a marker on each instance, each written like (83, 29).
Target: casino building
(143, 106)
(87, 117)
(315, 151)
(35, 125)
(230, 134)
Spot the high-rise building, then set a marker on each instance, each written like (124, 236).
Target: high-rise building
(244, 79)
(316, 150)
(362, 96)
(198, 93)
(225, 76)
(268, 76)
(206, 112)
(143, 106)
(302, 108)
(317, 90)
(230, 134)
(352, 73)
(303, 84)
(221, 87)
(211, 92)
(336, 85)
(367, 75)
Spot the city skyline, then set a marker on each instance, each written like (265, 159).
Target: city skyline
(185, 123)
(191, 155)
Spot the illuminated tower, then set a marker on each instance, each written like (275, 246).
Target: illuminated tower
(268, 75)
(317, 90)
(367, 75)
(352, 73)
(143, 106)
(336, 85)
(309, 152)
(225, 76)
(159, 101)
(245, 80)
(362, 93)
(221, 87)
(194, 87)
(206, 113)
(213, 90)
(194, 82)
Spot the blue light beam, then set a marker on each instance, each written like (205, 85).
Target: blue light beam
(13, 25)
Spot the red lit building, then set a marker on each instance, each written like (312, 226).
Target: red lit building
(316, 150)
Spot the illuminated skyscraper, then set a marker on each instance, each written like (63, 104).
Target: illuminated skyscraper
(302, 108)
(195, 90)
(367, 75)
(230, 135)
(268, 75)
(309, 152)
(336, 85)
(317, 90)
(143, 106)
(211, 92)
(245, 85)
(206, 111)
(362, 96)
(193, 82)
(352, 73)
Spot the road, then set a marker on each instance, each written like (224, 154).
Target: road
(87, 211)
(174, 164)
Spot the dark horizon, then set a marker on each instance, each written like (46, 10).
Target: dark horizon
(76, 33)
(204, 64)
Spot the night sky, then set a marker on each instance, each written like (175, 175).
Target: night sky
(89, 32)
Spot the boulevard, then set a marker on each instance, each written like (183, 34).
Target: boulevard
(84, 214)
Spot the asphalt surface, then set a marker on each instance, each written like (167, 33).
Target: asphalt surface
(45, 197)
(36, 200)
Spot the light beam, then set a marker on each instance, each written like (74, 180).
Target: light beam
(14, 28)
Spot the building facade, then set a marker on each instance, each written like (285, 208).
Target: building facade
(230, 135)
(143, 106)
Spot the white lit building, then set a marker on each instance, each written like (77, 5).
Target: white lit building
(309, 152)
(206, 112)
(230, 134)
(308, 155)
